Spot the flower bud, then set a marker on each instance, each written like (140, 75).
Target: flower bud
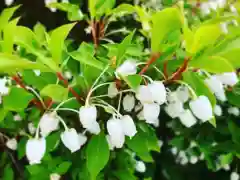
(129, 67)
(144, 94)
(112, 90)
(234, 111)
(35, 150)
(187, 118)
(140, 167)
(116, 133)
(49, 122)
(193, 159)
(151, 112)
(128, 102)
(174, 109)
(128, 126)
(31, 128)
(55, 176)
(12, 144)
(202, 108)
(229, 78)
(182, 94)
(71, 140)
(158, 91)
(217, 110)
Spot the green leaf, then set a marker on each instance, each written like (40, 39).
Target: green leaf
(6, 15)
(123, 9)
(188, 37)
(123, 46)
(233, 57)
(163, 23)
(63, 168)
(56, 43)
(213, 64)
(233, 98)
(35, 169)
(3, 113)
(133, 81)
(12, 63)
(8, 173)
(124, 175)
(56, 92)
(199, 86)
(52, 141)
(226, 159)
(104, 6)
(23, 98)
(97, 154)
(40, 31)
(21, 150)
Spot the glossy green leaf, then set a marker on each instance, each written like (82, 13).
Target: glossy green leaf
(56, 92)
(233, 57)
(23, 99)
(40, 31)
(36, 169)
(97, 154)
(198, 86)
(63, 167)
(233, 98)
(124, 175)
(123, 9)
(21, 150)
(226, 159)
(56, 43)
(52, 141)
(3, 113)
(163, 23)
(8, 173)
(214, 64)
(133, 81)
(104, 6)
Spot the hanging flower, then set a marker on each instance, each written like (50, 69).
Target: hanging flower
(82, 139)
(202, 108)
(3, 87)
(129, 67)
(174, 109)
(151, 112)
(55, 176)
(128, 102)
(49, 122)
(182, 93)
(71, 140)
(217, 110)
(112, 90)
(193, 159)
(229, 78)
(116, 133)
(35, 150)
(144, 94)
(93, 128)
(172, 97)
(158, 91)
(216, 87)
(12, 144)
(9, 2)
(234, 176)
(110, 144)
(128, 126)
(140, 167)
(187, 118)
(234, 111)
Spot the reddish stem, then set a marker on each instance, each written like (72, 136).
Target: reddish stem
(18, 80)
(165, 72)
(94, 33)
(152, 59)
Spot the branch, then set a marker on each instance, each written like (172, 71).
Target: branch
(152, 59)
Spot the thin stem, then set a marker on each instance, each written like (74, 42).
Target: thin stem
(117, 31)
(106, 95)
(189, 87)
(119, 102)
(148, 78)
(62, 103)
(68, 109)
(64, 124)
(160, 72)
(152, 59)
(37, 95)
(106, 105)
(37, 131)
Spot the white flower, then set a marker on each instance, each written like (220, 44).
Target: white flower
(88, 30)
(128, 126)
(128, 102)
(9, 2)
(17, 117)
(37, 72)
(234, 111)
(71, 140)
(144, 94)
(174, 151)
(182, 93)
(65, 1)
(202, 108)
(3, 88)
(55, 176)
(172, 97)
(31, 128)
(158, 91)
(51, 1)
(217, 110)
(216, 87)
(112, 90)
(82, 139)
(193, 144)
(68, 75)
(116, 133)
(234, 176)
(49, 122)
(183, 158)
(174, 109)
(146, 26)
(226, 167)
(129, 67)
(110, 144)
(202, 156)
(12, 144)
(140, 167)
(151, 112)
(187, 118)
(193, 159)
(229, 78)
(160, 143)
(205, 8)
(35, 150)
(93, 128)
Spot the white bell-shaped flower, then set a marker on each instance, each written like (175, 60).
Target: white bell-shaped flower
(129, 67)
(88, 115)
(172, 97)
(193, 159)
(144, 94)
(55, 176)
(234, 176)
(70, 139)
(3, 87)
(151, 112)
(116, 133)
(112, 90)
(174, 109)
(82, 139)
(9, 2)
(226, 167)
(31, 128)
(49, 122)
(128, 102)
(229, 78)
(158, 91)
(110, 144)
(217, 110)
(140, 167)
(182, 93)
(187, 118)
(174, 151)
(202, 108)
(12, 144)
(128, 126)
(93, 128)
(35, 150)
(234, 111)
(216, 87)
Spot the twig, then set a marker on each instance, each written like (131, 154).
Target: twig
(165, 72)
(152, 59)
